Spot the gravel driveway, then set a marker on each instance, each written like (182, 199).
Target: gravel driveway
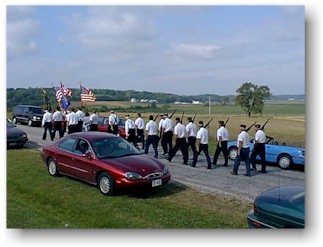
(216, 181)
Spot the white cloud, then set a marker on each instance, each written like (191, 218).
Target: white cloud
(201, 51)
(22, 30)
(110, 29)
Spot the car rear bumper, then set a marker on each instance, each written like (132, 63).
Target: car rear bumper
(255, 223)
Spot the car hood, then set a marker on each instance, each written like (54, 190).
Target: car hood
(141, 164)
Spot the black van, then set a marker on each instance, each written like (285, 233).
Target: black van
(31, 115)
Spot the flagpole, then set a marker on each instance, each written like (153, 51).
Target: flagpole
(82, 103)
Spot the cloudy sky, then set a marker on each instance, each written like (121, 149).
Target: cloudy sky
(176, 49)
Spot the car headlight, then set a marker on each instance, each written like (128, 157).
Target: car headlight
(132, 175)
(24, 136)
(165, 169)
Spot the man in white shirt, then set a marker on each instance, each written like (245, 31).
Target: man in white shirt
(259, 148)
(243, 151)
(58, 118)
(113, 123)
(180, 142)
(222, 136)
(130, 129)
(94, 120)
(140, 125)
(167, 136)
(47, 124)
(191, 134)
(202, 140)
(151, 135)
(80, 115)
(72, 121)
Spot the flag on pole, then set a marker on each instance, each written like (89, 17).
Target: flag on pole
(86, 94)
(62, 100)
(46, 100)
(58, 93)
(66, 91)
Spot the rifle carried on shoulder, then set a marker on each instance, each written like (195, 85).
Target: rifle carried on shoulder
(247, 129)
(226, 121)
(182, 117)
(156, 116)
(262, 127)
(173, 113)
(207, 124)
(194, 117)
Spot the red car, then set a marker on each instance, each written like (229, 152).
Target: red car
(105, 160)
(104, 122)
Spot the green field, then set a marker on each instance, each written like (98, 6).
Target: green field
(286, 124)
(37, 200)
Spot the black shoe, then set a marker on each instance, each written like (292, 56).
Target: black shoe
(233, 173)
(262, 171)
(169, 159)
(247, 175)
(224, 165)
(193, 165)
(253, 169)
(185, 163)
(209, 168)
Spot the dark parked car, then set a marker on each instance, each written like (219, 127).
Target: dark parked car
(104, 122)
(105, 160)
(28, 114)
(15, 136)
(281, 207)
(284, 156)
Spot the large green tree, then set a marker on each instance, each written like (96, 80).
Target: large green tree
(251, 97)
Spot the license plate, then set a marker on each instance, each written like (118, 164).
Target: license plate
(156, 182)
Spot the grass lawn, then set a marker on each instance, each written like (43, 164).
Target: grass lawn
(36, 200)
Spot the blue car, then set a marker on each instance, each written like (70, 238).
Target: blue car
(284, 156)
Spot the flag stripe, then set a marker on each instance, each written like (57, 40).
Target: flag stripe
(86, 94)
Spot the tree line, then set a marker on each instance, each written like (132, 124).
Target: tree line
(250, 97)
(34, 96)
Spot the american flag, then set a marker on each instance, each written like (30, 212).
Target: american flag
(66, 91)
(58, 93)
(86, 94)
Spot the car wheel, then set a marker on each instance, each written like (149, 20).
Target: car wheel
(52, 168)
(285, 161)
(106, 184)
(233, 152)
(14, 120)
(30, 122)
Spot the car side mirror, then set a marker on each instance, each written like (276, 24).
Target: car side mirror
(88, 154)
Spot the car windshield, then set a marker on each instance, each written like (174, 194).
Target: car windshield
(35, 110)
(113, 147)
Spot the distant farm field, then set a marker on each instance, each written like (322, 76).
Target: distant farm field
(286, 124)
